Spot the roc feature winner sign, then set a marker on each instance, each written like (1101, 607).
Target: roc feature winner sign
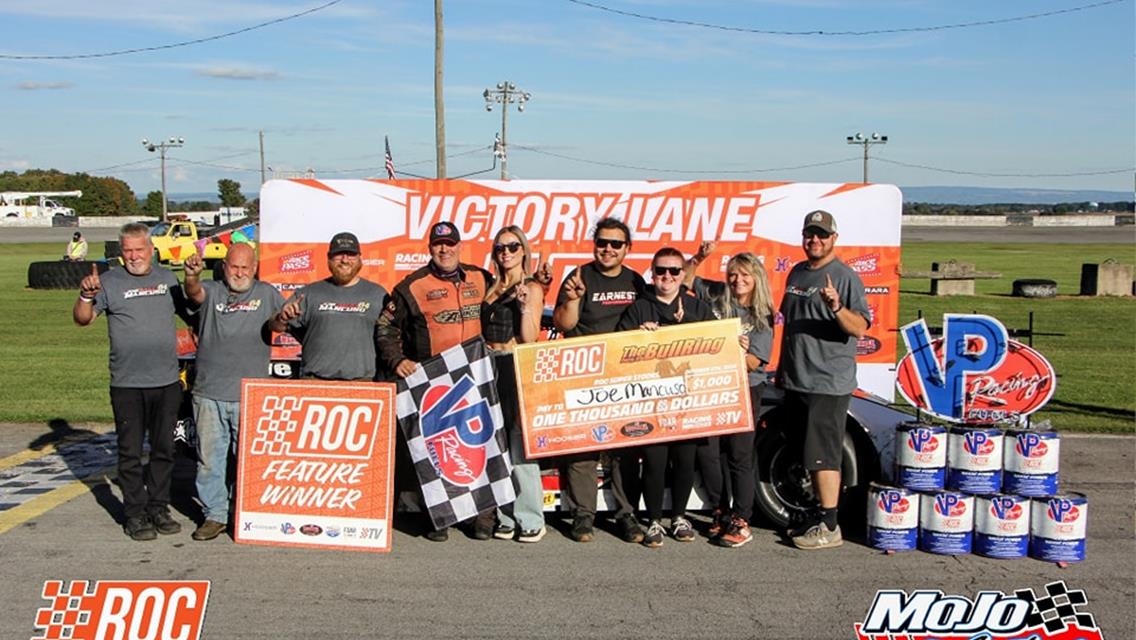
(316, 460)
(974, 373)
(632, 388)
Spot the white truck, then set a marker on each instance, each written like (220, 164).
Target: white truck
(30, 205)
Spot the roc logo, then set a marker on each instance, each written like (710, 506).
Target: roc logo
(1057, 614)
(602, 433)
(296, 262)
(557, 363)
(456, 424)
(977, 443)
(1031, 445)
(118, 610)
(1005, 509)
(344, 428)
(922, 441)
(893, 502)
(949, 506)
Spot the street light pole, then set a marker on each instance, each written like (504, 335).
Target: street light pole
(161, 147)
(867, 141)
(505, 94)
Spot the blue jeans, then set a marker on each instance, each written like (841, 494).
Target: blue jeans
(218, 422)
(527, 512)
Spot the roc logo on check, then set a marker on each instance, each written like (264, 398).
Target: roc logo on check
(119, 610)
(321, 427)
(556, 363)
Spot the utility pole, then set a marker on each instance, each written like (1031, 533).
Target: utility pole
(161, 147)
(505, 94)
(263, 179)
(867, 141)
(439, 103)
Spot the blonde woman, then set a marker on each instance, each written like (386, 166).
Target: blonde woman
(744, 295)
(511, 316)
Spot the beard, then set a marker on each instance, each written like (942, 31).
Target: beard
(342, 274)
(239, 285)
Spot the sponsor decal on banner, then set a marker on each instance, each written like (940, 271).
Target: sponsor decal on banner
(1057, 614)
(877, 291)
(299, 262)
(122, 610)
(450, 415)
(314, 455)
(866, 265)
(974, 373)
(631, 388)
(867, 345)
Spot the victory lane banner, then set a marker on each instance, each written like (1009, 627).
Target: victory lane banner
(450, 414)
(632, 388)
(316, 464)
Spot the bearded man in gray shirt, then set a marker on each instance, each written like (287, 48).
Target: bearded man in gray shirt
(825, 313)
(232, 320)
(140, 301)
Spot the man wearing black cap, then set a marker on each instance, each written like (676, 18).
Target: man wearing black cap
(435, 308)
(825, 312)
(334, 319)
(76, 249)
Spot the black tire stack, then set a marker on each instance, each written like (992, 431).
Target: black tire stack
(61, 274)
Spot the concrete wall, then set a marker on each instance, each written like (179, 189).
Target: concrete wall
(1078, 220)
(113, 222)
(954, 221)
(1091, 220)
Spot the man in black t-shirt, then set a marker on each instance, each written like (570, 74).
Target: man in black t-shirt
(591, 301)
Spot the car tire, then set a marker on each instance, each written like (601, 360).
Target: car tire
(61, 274)
(784, 489)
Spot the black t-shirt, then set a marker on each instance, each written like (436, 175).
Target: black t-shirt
(605, 299)
(649, 308)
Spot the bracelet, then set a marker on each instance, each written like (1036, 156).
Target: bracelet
(838, 309)
(86, 299)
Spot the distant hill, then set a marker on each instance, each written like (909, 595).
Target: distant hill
(989, 195)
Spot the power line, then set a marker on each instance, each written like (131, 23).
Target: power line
(664, 170)
(821, 32)
(1074, 174)
(122, 52)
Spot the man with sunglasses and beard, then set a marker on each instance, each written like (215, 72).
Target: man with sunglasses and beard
(825, 312)
(231, 344)
(334, 319)
(591, 301)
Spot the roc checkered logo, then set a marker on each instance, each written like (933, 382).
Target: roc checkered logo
(1057, 611)
(317, 427)
(109, 610)
(557, 363)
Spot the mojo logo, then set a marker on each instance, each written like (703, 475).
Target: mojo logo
(974, 373)
(1005, 509)
(893, 502)
(949, 505)
(1031, 445)
(993, 615)
(977, 443)
(922, 441)
(456, 425)
(342, 428)
(556, 363)
(121, 610)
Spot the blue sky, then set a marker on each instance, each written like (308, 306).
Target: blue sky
(1052, 95)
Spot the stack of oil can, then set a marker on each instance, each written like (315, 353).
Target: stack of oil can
(977, 488)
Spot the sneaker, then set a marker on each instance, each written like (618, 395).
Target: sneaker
(736, 534)
(655, 535)
(681, 529)
(629, 529)
(484, 525)
(164, 522)
(504, 532)
(208, 530)
(819, 537)
(438, 535)
(140, 528)
(802, 522)
(582, 529)
(534, 535)
(719, 522)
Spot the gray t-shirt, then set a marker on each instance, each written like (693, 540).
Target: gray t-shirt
(760, 341)
(337, 328)
(817, 356)
(230, 342)
(140, 322)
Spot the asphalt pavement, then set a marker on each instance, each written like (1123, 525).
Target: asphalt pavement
(553, 589)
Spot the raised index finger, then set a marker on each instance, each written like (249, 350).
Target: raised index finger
(94, 270)
(828, 280)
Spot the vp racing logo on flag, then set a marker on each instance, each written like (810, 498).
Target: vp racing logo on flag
(456, 425)
(121, 610)
(930, 615)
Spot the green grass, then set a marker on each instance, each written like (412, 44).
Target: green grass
(49, 368)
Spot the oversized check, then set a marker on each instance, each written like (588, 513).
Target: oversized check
(316, 459)
(632, 388)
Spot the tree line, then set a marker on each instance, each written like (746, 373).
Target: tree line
(934, 209)
(107, 196)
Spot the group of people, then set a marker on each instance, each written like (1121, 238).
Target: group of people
(353, 329)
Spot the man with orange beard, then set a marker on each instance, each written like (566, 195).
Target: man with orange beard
(334, 319)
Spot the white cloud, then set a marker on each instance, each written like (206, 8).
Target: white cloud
(238, 73)
(39, 86)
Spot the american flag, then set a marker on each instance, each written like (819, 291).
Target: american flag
(390, 160)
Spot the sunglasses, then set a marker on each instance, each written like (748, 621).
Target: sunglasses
(816, 233)
(603, 243)
(511, 247)
(674, 271)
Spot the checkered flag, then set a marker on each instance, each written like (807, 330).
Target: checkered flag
(450, 414)
(1057, 609)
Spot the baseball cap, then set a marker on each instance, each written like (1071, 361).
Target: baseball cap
(345, 242)
(822, 220)
(76, 236)
(444, 232)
